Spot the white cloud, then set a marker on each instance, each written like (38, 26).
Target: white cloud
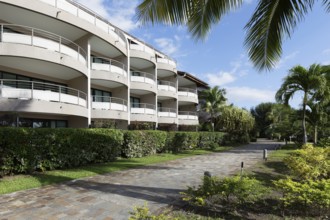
(247, 94)
(166, 45)
(220, 79)
(119, 12)
(286, 59)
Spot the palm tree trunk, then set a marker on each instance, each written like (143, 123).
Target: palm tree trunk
(304, 119)
(315, 134)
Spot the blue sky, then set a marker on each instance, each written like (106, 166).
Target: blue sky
(222, 58)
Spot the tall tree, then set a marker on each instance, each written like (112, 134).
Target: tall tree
(271, 22)
(310, 81)
(212, 101)
(262, 121)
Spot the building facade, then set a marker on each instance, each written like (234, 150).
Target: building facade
(62, 65)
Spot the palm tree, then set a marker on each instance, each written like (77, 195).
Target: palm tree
(271, 22)
(212, 101)
(309, 81)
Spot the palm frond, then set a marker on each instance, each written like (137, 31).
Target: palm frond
(165, 11)
(326, 3)
(207, 13)
(272, 21)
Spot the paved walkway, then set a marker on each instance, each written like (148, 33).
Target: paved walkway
(112, 195)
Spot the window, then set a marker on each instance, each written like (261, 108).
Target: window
(39, 85)
(101, 95)
(135, 102)
(135, 73)
(99, 60)
(159, 105)
(42, 123)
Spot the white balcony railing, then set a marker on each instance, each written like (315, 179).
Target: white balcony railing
(166, 61)
(109, 103)
(105, 64)
(25, 90)
(167, 112)
(18, 34)
(142, 47)
(143, 108)
(186, 115)
(137, 76)
(166, 86)
(85, 13)
(188, 92)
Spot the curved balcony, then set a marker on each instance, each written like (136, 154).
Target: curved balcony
(108, 69)
(143, 81)
(30, 96)
(142, 51)
(167, 88)
(188, 95)
(18, 34)
(167, 115)
(166, 64)
(143, 112)
(87, 14)
(188, 118)
(106, 107)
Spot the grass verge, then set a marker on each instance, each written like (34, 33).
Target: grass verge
(23, 182)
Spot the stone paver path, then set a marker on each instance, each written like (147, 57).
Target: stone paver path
(112, 195)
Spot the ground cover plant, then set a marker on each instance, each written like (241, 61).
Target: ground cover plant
(272, 189)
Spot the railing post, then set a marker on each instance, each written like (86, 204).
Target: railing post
(59, 94)
(78, 53)
(1, 34)
(59, 46)
(1, 86)
(78, 97)
(32, 89)
(32, 34)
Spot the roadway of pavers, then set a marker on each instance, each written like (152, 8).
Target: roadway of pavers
(113, 195)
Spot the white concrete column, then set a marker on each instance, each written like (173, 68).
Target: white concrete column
(89, 83)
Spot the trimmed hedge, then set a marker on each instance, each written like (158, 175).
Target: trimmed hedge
(25, 150)
(143, 143)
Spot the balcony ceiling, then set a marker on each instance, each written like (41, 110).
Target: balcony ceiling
(164, 73)
(39, 67)
(100, 46)
(185, 82)
(140, 92)
(162, 98)
(15, 15)
(106, 83)
(140, 64)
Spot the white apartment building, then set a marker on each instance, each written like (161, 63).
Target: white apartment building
(62, 65)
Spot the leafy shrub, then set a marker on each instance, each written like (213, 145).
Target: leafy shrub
(324, 142)
(180, 141)
(143, 143)
(226, 191)
(210, 140)
(309, 162)
(24, 150)
(308, 195)
(143, 213)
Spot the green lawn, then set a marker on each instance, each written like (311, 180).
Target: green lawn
(22, 182)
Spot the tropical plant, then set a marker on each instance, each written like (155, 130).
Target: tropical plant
(261, 114)
(310, 81)
(235, 120)
(271, 22)
(213, 100)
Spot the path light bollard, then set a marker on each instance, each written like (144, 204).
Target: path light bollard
(265, 154)
(242, 166)
(207, 174)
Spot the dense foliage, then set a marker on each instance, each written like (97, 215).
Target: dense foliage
(25, 150)
(226, 191)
